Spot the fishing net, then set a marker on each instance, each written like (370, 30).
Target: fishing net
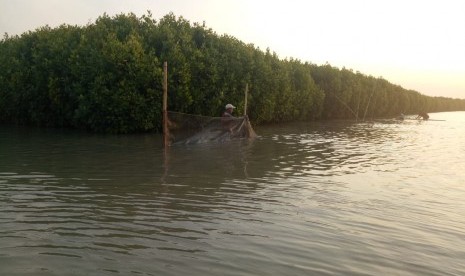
(195, 129)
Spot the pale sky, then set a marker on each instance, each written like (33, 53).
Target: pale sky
(418, 44)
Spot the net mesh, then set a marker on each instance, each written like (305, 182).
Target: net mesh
(194, 129)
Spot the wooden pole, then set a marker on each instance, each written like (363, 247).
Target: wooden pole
(245, 100)
(165, 105)
(369, 100)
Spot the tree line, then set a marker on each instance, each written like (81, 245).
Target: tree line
(107, 77)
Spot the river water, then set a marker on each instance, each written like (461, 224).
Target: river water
(326, 198)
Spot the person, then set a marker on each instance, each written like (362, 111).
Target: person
(227, 118)
(229, 108)
(423, 115)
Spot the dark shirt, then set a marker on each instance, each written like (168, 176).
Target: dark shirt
(227, 121)
(227, 114)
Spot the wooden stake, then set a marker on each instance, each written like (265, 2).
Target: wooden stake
(165, 105)
(245, 100)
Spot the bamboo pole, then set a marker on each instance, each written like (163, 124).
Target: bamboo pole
(245, 100)
(165, 105)
(369, 100)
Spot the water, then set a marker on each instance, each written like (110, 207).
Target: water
(328, 198)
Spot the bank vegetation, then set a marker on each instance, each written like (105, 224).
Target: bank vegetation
(107, 77)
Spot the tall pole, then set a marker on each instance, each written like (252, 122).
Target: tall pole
(165, 105)
(245, 100)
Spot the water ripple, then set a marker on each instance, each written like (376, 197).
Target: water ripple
(339, 198)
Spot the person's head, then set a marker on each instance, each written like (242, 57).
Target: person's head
(229, 108)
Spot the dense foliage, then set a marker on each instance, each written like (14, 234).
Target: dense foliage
(354, 95)
(107, 77)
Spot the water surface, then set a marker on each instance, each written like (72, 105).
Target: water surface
(327, 198)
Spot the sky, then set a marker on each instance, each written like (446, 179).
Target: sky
(418, 44)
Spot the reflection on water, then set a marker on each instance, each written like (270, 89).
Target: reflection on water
(326, 198)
